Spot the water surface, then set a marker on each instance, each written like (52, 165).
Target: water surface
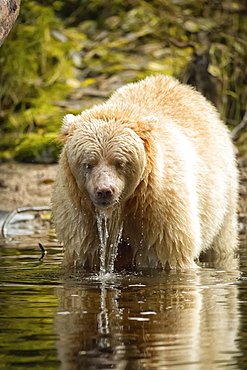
(150, 320)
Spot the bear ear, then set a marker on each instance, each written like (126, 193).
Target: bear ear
(67, 127)
(150, 122)
(144, 127)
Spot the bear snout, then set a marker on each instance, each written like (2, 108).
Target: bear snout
(104, 195)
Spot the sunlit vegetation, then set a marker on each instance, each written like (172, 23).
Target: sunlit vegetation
(63, 56)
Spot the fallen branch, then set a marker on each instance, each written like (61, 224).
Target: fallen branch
(240, 126)
(43, 252)
(20, 210)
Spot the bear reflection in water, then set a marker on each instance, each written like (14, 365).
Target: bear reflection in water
(188, 319)
(157, 162)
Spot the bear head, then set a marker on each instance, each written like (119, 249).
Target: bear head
(106, 151)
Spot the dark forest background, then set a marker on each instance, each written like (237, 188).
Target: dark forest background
(64, 56)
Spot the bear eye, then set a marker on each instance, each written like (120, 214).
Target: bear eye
(88, 166)
(119, 164)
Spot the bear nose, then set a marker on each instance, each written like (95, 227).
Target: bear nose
(104, 192)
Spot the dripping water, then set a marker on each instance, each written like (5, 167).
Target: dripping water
(103, 236)
(110, 233)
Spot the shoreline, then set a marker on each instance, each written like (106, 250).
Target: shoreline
(26, 185)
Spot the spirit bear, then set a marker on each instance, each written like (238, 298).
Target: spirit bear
(157, 162)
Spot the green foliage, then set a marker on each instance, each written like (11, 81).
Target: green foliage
(31, 58)
(37, 148)
(31, 148)
(34, 69)
(58, 49)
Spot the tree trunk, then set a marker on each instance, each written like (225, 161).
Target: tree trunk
(9, 11)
